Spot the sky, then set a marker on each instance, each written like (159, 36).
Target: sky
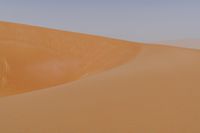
(134, 20)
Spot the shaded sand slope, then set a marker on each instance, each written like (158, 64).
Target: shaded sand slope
(33, 57)
(157, 92)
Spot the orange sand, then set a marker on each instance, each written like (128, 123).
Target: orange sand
(33, 58)
(150, 88)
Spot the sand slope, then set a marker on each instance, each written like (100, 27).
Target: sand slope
(156, 91)
(33, 58)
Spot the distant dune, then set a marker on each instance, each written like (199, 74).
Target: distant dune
(185, 43)
(91, 84)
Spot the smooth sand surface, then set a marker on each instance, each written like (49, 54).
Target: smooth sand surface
(150, 89)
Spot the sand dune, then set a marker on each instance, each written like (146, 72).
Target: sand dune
(150, 88)
(38, 58)
(185, 43)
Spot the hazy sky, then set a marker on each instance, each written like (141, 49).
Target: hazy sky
(137, 20)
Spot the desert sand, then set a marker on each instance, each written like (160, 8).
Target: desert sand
(63, 82)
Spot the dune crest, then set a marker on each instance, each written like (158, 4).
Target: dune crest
(40, 57)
